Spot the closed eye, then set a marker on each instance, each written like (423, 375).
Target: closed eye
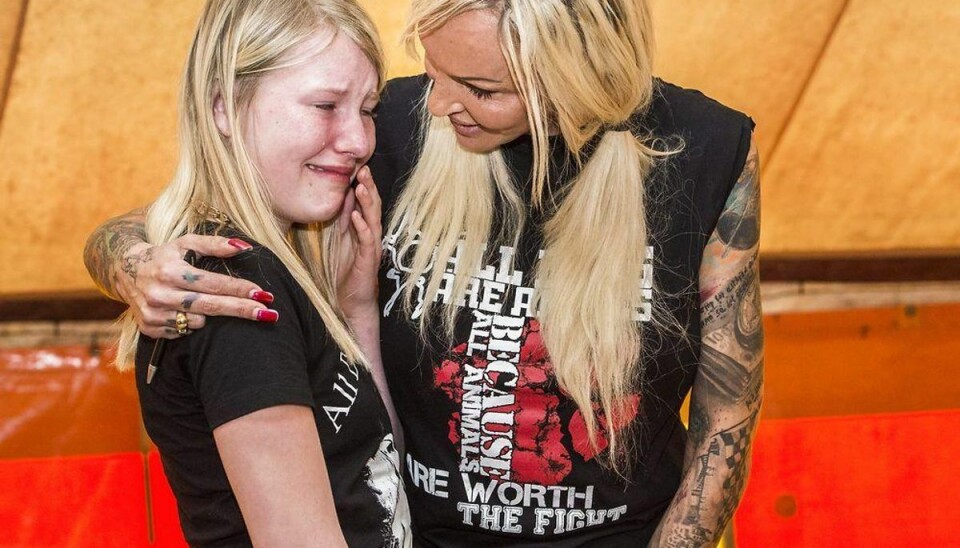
(479, 93)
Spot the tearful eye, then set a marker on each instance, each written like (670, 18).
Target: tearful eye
(371, 112)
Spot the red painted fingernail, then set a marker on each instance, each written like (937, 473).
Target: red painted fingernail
(264, 297)
(267, 315)
(239, 244)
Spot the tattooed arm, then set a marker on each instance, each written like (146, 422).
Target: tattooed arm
(157, 283)
(109, 245)
(725, 401)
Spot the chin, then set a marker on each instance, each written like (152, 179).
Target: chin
(314, 217)
(477, 147)
(488, 142)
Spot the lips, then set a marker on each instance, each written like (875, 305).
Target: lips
(466, 130)
(458, 123)
(339, 169)
(342, 172)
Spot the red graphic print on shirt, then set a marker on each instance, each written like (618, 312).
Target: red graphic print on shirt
(508, 426)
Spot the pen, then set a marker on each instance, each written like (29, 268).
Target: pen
(154, 359)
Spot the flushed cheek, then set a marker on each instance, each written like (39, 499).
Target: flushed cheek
(503, 120)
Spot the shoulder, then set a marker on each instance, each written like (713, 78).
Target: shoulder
(713, 139)
(259, 265)
(398, 129)
(399, 112)
(688, 112)
(239, 365)
(404, 93)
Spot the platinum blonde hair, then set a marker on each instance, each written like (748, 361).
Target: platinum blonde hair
(581, 67)
(236, 42)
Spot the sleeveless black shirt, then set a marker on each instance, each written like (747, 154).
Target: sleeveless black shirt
(497, 455)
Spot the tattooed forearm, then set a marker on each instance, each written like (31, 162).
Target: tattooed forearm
(108, 246)
(727, 391)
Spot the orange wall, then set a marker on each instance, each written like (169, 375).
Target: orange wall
(858, 106)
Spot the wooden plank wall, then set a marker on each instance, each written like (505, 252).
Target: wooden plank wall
(857, 104)
(753, 55)
(871, 157)
(88, 129)
(11, 24)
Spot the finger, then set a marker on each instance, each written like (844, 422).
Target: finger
(195, 280)
(349, 205)
(212, 246)
(369, 198)
(160, 332)
(369, 245)
(249, 309)
(370, 211)
(365, 176)
(362, 229)
(372, 194)
(194, 322)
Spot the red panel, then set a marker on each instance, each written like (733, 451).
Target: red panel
(873, 480)
(65, 400)
(166, 521)
(73, 501)
(854, 362)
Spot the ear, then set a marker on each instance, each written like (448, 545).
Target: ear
(220, 115)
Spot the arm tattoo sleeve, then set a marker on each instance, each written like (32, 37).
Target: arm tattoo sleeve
(727, 391)
(106, 251)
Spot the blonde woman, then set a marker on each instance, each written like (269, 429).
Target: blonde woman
(273, 433)
(572, 249)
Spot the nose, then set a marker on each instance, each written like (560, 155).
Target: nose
(442, 101)
(356, 137)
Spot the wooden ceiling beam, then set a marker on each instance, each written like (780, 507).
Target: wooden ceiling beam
(862, 267)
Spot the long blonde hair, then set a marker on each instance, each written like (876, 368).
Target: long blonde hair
(583, 70)
(237, 42)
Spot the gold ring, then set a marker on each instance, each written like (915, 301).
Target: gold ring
(181, 323)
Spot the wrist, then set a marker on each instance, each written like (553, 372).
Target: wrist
(124, 270)
(361, 315)
(362, 311)
(136, 249)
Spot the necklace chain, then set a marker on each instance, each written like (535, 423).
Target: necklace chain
(207, 211)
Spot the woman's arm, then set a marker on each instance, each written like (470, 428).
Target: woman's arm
(361, 251)
(727, 390)
(108, 245)
(156, 282)
(275, 465)
(366, 327)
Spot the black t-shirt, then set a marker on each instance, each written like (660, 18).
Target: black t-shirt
(497, 454)
(233, 367)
